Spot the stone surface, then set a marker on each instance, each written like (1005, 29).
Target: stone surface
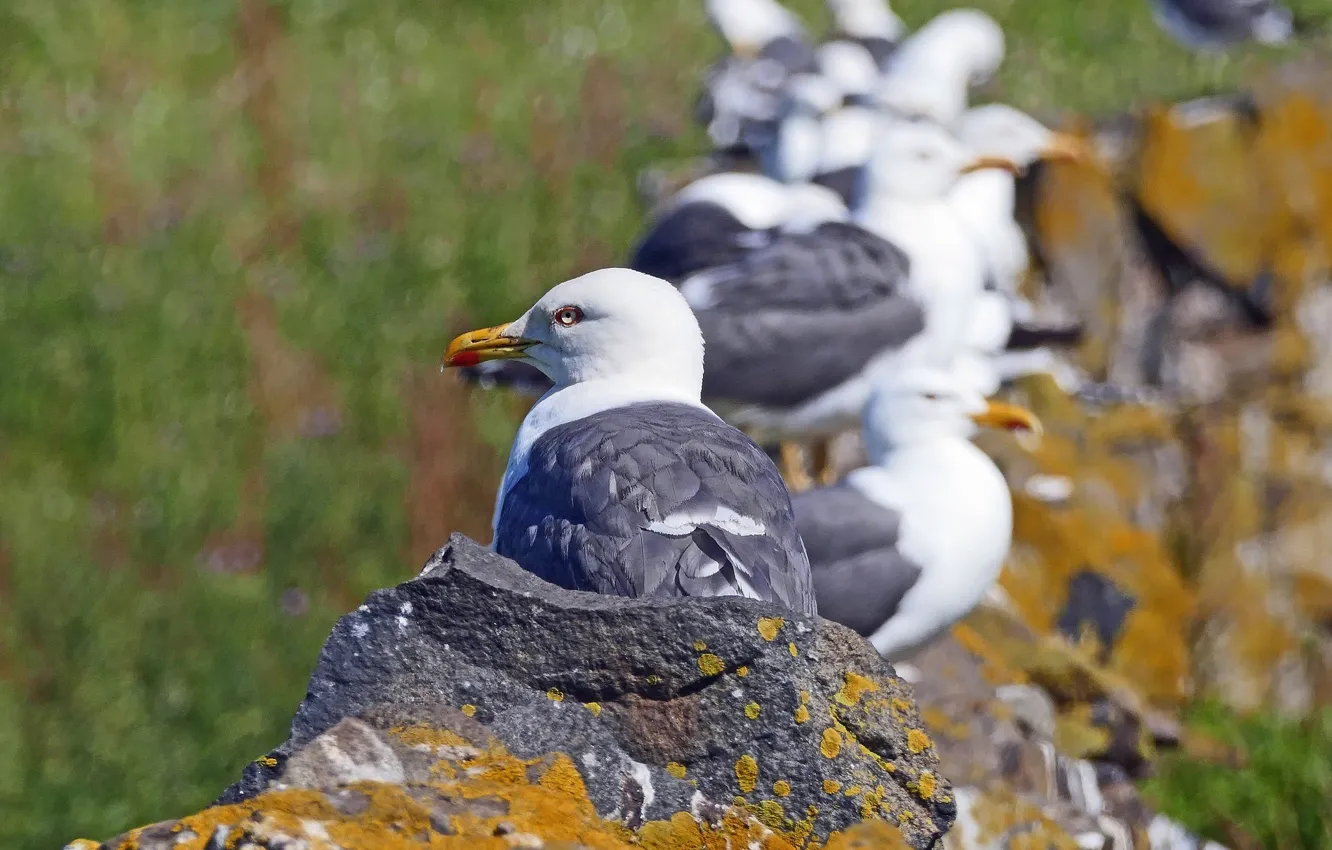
(659, 703)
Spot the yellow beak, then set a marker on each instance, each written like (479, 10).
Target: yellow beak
(1009, 417)
(1065, 147)
(478, 346)
(984, 162)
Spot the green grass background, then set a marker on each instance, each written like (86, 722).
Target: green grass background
(223, 223)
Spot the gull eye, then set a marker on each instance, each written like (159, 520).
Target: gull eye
(931, 397)
(568, 316)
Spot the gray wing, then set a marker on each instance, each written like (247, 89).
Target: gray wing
(836, 265)
(690, 238)
(655, 500)
(801, 315)
(860, 576)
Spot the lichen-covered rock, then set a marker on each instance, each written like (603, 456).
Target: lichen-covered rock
(660, 705)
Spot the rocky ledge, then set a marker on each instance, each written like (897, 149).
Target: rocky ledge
(478, 703)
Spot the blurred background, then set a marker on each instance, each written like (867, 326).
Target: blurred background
(236, 236)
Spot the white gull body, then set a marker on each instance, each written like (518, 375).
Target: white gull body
(911, 575)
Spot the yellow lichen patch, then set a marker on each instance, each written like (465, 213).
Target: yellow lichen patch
(268, 761)
(710, 665)
(746, 773)
(831, 786)
(752, 711)
(674, 768)
(769, 626)
(874, 834)
(926, 784)
(853, 791)
(422, 735)
(681, 832)
(917, 741)
(771, 814)
(555, 695)
(563, 777)
(791, 648)
(699, 646)
(801, 714)
(594, 707)
(742, 671)
(831, 744)
(653, 679)
(781, 788)
(469, 709)
(854, 686)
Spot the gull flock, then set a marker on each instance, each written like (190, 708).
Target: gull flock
(857, 267)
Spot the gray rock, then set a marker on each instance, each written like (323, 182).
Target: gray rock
(665, 705)
(349, 752)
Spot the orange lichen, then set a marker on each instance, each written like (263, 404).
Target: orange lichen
(771, 814)
(752, 711)
(781, 788)
(769, 626)
(742, 671)
(917, 741)
(555, 695)
(801, 714)
(853, 791)
(674, 768)
(428, 737)
(593, 707)
(267, 761)
(746, 773)
(926, 784)
(831, 786)
(710, 665)
(791, 648)
(469, 709)
(854, 686)
(831, 744)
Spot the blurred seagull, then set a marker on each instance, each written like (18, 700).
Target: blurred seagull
(793, 329)
(931, 73)
(905, 547)
(620, 481)
(1208, 25)
(871, 24)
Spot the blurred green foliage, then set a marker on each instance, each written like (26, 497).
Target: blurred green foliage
(1272, 789)
(234, 238)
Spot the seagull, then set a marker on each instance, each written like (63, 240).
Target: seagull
(794, 328)
(847, 134)
(905, 547)
(719, 218)
(768, 46)
(620, 481)
(868, 23)
(931, 73)
(1211, 25)
(985, 203)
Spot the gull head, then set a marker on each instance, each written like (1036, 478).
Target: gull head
(612, 324)
(748, 25)
(919, 160)
(931, 73)
(866, 19)
(1000, 130)
(849, 67)
(918, 404)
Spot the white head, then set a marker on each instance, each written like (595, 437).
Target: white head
(748, 25)
(919, 404)
(866, 19)
(920, 160)
(612, 324)
(849, 67)
(1000, 130)
(931, 73)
